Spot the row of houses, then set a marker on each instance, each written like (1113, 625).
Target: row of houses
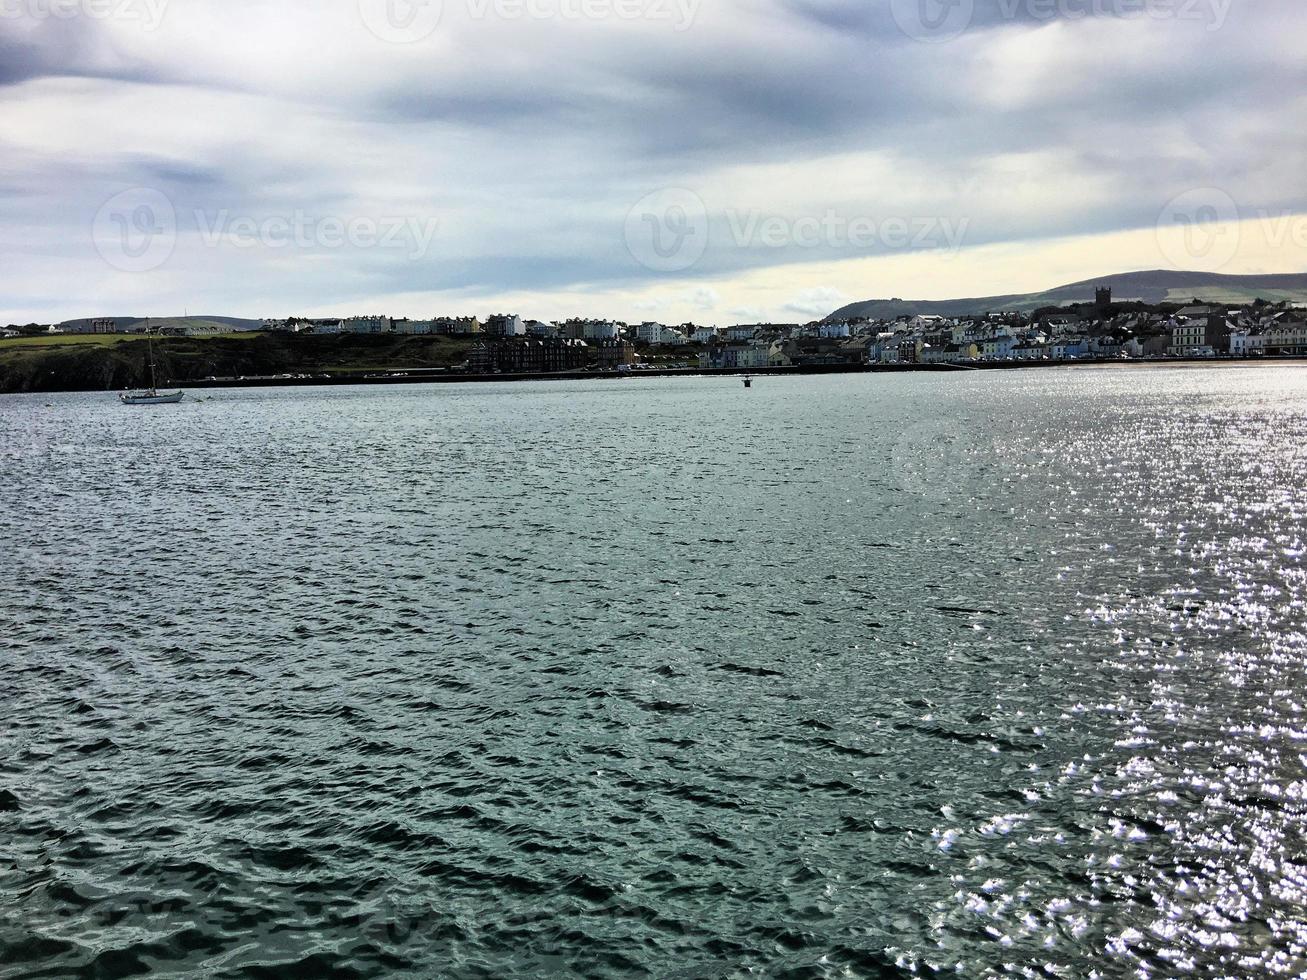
(1087, 330)
(547, 355)
(1195, 331)
(497, 325)
(1278, 337)
(446, 326)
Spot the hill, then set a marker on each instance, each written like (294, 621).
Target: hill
(1154, 287)
(106, 362)
(127, 323)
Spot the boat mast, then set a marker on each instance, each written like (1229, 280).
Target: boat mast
(149, 340)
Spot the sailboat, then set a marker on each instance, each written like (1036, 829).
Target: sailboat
(152, 395)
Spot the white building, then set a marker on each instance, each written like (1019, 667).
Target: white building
(506, 325)
(997, 348)
(1189, 338)
(1287, 338)
(649, 332)
(704, 335)
(656, 333)
(1069, 348)
(601, 330)
(836, 331)
(1244, 343)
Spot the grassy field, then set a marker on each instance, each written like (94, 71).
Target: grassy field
(66, 340)
(97, 339)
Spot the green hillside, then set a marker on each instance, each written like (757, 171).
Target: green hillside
(108, 362)
(1154, 287)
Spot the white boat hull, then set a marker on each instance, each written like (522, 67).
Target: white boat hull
(152, 398)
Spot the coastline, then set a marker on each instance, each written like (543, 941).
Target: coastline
(411, 377)
(407, 375)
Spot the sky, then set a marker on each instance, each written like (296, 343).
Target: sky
(715, 161)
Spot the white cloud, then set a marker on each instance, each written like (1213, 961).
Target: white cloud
(705, 298)
(527, 141)
(817, 302)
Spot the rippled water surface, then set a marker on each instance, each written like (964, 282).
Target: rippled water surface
(978, 674)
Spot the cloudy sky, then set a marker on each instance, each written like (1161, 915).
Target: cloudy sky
(716, 160)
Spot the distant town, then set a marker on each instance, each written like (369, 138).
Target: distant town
(1095, 330)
